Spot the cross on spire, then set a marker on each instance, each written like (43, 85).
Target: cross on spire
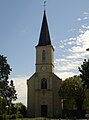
(44, 4)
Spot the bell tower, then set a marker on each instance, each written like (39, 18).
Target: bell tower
(43, 86)
(44, 49)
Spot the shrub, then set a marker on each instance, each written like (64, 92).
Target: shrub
(4, 116)
(19, 116)
(13, 116)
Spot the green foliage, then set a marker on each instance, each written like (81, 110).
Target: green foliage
(84, 69)
(4, 117)
(19, 116)
(4, 68)
(7, 91)
(13, 116)
(21, 109)
(11, 92)
(86, 104)
(72, 89)
(10, 117)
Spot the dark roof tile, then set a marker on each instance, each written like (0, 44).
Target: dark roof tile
(44, 38)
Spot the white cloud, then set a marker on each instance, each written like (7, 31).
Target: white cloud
(79, 19)
(82, 31)
(61, 46)
(75, 53)
(77, 49)
(85, 26)
(83, 39)
(86, 13)
(67, 64)
(73, 56)
(85, 16)
(21, 88)
(72, 42)
(72, 38)
(82, 43)
(65, 75)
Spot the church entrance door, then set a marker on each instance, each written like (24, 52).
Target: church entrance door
(43, 110)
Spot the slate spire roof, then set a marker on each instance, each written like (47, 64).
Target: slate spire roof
(44, 38)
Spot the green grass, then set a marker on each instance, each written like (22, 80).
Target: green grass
(44, 119)
(25, 119)
(36, 119)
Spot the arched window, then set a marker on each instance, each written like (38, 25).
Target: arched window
(43, 56)
(43, 83)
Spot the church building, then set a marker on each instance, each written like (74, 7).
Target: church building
(43, 86)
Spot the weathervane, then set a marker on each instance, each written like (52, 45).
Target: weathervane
(44, 4)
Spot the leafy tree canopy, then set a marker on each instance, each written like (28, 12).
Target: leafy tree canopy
(21, 108)
(4, 68)
(7, 91)
(84, 69)
(72, 88)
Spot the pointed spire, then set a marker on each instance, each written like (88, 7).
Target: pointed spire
(44, 38)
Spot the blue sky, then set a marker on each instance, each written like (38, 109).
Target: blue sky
(20, 24)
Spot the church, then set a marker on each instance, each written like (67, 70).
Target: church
(43, 86)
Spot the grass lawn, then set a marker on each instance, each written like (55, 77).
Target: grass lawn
(45, 119)
(36, 119)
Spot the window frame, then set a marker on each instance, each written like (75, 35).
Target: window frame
(43, 83)
(43, 56)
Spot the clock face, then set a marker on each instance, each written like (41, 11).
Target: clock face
(43, 68)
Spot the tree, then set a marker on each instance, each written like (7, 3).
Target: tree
(7, 91)
(84, 69)
(21, 109)
(72, 89)
(10, 96)
(4, 68)
(12, 92)
(4, 74)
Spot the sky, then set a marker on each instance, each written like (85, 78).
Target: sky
(20, 24)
